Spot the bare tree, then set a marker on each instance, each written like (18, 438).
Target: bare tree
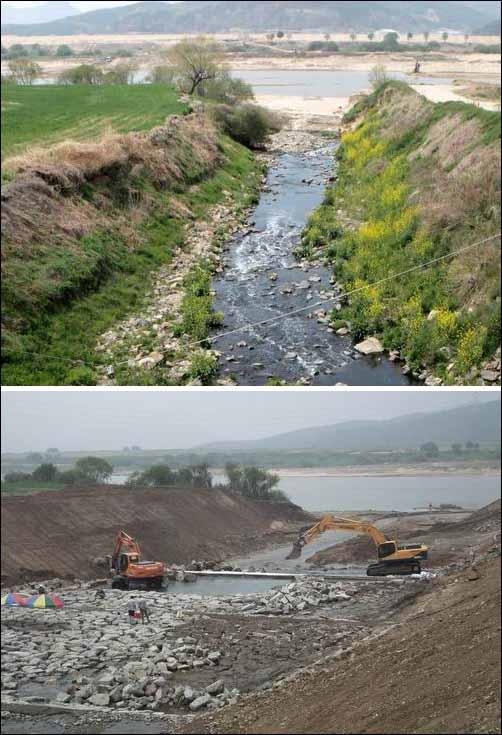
(353, 36)
(466, 37)
(327, 36)
(426, 35)
(194, 62)
(24, 71)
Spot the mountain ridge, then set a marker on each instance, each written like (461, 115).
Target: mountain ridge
(224, 15)
(409, 431)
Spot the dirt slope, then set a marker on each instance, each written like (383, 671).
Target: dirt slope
(439, 671)
(60, 533)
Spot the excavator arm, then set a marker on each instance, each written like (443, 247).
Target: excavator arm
(335, 523)
(124, 542)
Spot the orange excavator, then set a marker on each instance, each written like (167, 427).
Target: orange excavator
(128, 568)
(392, 558)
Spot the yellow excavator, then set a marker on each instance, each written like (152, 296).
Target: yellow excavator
(392, 558)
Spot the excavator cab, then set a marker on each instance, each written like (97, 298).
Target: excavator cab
(386, 549)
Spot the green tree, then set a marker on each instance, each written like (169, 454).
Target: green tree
(64, 51)
(83, 74)
(280, 34)
(409, 35)
(201, 477)
(93, 469)
(24, 71)
(353, 36)
(444, 36)
(193, 63)
(426, 35)
(155, 476)
(46, 472)
(456, 448)
(371, 35)
(391, 41)
(430, 449)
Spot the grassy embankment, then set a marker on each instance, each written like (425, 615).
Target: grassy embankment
(417, 181)
(29, 487)
(89, 263)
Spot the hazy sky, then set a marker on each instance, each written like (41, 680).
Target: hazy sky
(84, 6)
(72, 420)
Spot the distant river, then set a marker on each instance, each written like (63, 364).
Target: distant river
(384, 493)
(318, 83)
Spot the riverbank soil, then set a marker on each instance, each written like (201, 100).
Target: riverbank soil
(438, 671)
(55, 534)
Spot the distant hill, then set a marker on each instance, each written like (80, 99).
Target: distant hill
(334, 15)
(473, 422)
(44, 13)
(489, 29)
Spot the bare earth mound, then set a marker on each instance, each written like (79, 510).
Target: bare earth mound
(61, 533)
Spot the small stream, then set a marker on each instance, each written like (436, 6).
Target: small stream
(299, 347)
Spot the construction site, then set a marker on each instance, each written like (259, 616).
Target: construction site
(251, 611)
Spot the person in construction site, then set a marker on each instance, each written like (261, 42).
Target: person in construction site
(132, 606)
(143, 609)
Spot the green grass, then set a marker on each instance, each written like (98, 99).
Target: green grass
(44, 115)
(29, 487)
(58, 347)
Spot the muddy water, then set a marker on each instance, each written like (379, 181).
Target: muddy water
(297, 347)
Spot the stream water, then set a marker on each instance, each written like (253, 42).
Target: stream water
(297, 346)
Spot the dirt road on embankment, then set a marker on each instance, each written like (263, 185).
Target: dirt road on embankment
(60, 534)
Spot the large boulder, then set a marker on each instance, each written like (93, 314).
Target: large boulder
(370, 346)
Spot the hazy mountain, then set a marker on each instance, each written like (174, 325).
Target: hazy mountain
(44, 13)
(333, 15)
(489, 29)
(473, 422)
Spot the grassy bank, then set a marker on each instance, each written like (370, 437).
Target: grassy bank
(113, 270)
(44, 115)
(417, 181)
(28, 487)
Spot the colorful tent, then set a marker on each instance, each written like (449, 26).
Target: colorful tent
(14, 599)
(44, 601)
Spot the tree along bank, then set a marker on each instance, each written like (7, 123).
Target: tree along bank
(417, 181)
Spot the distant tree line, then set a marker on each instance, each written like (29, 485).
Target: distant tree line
(90, 470)
(249, 481)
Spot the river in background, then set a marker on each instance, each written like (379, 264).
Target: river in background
(319, 82)
(402, 493)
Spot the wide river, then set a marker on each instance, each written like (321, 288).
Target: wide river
(402, 493)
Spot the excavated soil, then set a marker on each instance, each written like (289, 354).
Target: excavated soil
(60, 534)
(437, 671)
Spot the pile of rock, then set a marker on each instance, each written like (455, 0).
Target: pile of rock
(133, 688)
(299, 596)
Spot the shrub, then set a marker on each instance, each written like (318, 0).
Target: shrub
(203, 367)
(162, 74)
(83, 74)
(226, 89)
(248, 124)
(80, 376)
(471, 348)
(64, 51)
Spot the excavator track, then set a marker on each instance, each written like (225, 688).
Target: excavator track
(384, 570)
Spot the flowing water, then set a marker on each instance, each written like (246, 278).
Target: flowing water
(297, 346)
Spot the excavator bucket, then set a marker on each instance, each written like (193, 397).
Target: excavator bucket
(296, 551)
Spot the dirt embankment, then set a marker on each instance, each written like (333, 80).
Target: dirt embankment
(61, 533)
(437, 671)
(449, 541)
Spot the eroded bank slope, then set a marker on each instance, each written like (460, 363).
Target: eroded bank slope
(54, 534)
(84, 228)
(418, 181)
